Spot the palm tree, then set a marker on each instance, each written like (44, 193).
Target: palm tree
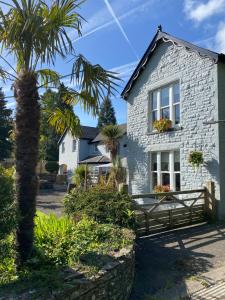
(111, 135)
(117, 173)
(36, 34)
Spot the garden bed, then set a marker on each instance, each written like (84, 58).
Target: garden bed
(72, 260)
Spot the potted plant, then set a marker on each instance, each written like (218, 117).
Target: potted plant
(196, 158)
(162, 125)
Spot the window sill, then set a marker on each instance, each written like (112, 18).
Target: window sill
(178, 128)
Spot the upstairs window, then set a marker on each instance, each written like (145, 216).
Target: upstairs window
(63, 147)
(165, 103)
(74, 146)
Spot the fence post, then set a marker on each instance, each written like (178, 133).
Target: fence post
(210, 200)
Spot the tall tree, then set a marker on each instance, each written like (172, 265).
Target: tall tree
(50, 101)
(106, 114)
(111, 135)
(5, 128)
(35, 32)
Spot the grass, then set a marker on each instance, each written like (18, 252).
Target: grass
(63, 248)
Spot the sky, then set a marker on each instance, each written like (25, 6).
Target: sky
(117, 32)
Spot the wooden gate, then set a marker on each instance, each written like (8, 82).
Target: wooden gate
(173, 209)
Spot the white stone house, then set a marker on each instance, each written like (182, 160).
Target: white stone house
(185, 83)
(88, 149)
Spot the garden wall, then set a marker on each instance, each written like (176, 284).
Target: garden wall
(114, 282)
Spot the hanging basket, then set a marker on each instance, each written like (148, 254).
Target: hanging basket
(196, 158)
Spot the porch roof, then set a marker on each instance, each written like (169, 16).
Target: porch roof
(99, 159)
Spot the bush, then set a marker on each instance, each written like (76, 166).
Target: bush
(52, 167)
(61, 241)
(103, 204)
(7, 202)
(79, 176)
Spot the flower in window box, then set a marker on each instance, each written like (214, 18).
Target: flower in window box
(196, 158)
(161, 189)
(162, 125)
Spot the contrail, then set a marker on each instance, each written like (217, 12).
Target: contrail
(120, 27)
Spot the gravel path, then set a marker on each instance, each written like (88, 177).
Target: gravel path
(50, 201)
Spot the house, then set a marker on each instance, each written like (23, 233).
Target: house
(88, 149)
(185, 83)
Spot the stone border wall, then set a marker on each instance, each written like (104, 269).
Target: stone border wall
(113, 282)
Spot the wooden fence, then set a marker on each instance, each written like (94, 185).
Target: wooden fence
(174, 209)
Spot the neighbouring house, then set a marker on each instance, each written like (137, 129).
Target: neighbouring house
(88, 149)
(186, 84)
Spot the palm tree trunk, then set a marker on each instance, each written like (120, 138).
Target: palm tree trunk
(27, 140)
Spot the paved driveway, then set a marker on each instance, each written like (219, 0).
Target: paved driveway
(176, 264)
(50, 201)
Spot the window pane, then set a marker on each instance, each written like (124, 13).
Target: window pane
(154, 180)
(165, 96)
(165, 161)
(177, 113)
(154, 116)
(165, 113)
(154, 162)
(165, 179)
(176, 93)
(176, 161)
(177, 181)
(74, 145)
(154, 100)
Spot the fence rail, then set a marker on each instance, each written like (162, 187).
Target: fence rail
(174, 209)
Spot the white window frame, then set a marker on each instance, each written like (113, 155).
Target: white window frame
(159, 172)
(74, 145)
(171, 105)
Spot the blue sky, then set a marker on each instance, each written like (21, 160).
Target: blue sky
(117, 33)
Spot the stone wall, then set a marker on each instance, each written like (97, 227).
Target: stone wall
(199, 101)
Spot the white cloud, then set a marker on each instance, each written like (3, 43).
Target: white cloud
(200, 10)
(125, 71)
(220, 38)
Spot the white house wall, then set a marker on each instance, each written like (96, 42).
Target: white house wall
(198, 92)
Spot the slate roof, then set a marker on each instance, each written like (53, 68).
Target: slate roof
(99, 137)
(160, 37)
(99, 159)
(88, 133)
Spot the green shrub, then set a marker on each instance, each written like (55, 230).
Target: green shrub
(104, 205)
(79, 176)
(7, 202)
(52, 167)
(61, 241)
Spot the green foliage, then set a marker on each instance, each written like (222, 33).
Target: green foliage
(104, 204)
(79, 176)
(5, 128)
(196, 158)
(162, 125)
(111, 135)
(7, 202)
(107, 114)
(61, 241)
(52, 166)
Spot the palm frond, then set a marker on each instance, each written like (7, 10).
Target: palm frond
(93, 80)
(48, 76)
(65, 119)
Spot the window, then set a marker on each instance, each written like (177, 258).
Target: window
(63, 147)
(74, 146)
(165, 169)
(95, 148)
(165, 103)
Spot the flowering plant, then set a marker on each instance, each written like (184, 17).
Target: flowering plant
(161, 189)
(162, 125)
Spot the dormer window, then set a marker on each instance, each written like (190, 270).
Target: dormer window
(165, 104)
